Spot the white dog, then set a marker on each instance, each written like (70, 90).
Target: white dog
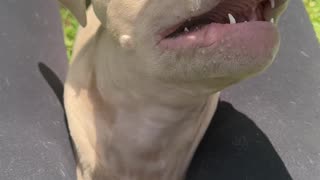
(146, 76)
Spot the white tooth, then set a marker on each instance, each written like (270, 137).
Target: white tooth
(272, 20)
(232, 19)
(186, 29)
(273, 3)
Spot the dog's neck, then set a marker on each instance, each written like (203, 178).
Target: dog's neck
(151, 139)
(151, 129)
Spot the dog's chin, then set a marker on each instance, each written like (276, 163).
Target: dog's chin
(226, 42)
(235, 55)
(232, 45)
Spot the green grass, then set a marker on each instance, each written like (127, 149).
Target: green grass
(70, 25)
(313, 9)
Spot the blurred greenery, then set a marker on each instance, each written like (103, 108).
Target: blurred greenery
(70, 25)
(313, 8)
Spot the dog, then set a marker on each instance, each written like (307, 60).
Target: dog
(146, 75)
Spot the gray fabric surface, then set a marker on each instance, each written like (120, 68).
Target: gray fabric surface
(265, 128)
(34, 144)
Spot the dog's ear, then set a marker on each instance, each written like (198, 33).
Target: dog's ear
(78, 9)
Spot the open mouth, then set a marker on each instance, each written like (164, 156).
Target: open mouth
(226, 13)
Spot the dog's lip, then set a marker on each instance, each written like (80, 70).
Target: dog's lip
(164, 41)
(217, 34)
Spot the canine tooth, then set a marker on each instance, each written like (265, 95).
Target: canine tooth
(273, 3)
(232, 19)
(186, 29)
(272, 20)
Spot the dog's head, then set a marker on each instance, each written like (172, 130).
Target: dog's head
(206, 43)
